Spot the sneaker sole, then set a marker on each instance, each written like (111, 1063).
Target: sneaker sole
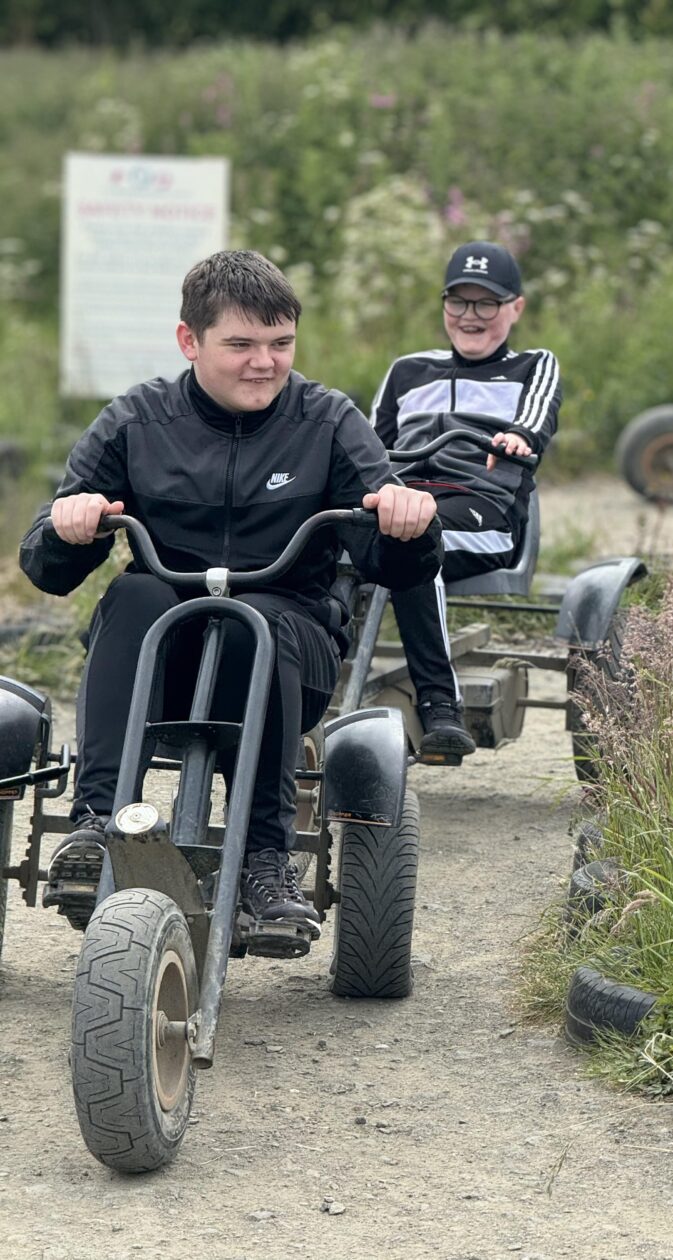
(435, 747)
(288, 922)
(73, 883)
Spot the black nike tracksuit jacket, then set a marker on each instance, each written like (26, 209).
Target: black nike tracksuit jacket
(214, 488)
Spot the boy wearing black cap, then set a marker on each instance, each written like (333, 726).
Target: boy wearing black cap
(482, 501)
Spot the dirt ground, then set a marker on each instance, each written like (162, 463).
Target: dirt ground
(442, 1125)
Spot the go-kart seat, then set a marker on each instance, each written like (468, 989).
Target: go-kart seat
(515, 580)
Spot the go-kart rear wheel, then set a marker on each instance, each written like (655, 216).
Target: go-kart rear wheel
(645, 454)
(374, 920)
(135, 989)
(6, 814)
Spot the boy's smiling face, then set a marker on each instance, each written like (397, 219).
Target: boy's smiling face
(477, 338)
(240, 362)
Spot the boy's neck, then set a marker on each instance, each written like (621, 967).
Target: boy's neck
(500, 353)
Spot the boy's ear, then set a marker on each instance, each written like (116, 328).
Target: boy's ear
(518, 307)
(187, 341)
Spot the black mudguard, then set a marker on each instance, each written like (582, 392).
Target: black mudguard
(366, 767)
(23, 714)
(592, 598)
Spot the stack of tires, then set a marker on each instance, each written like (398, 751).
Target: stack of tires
(595, 1004)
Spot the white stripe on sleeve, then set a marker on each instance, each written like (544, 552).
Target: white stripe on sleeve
(541, 392)
(488, 542)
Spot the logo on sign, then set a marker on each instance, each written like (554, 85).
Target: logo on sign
(140, 178)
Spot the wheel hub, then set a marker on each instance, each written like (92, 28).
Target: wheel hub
(170, 1032)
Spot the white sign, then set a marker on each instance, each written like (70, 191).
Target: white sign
(132, 228)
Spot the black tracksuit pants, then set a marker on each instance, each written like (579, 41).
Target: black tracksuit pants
(477, 537)
(305, 673)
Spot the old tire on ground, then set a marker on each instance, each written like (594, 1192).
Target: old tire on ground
(595, 1004)
(606, 661)
(378, 867)
(133, 1084)
(645, 454)
(6, 816)
(591, 884)
(593, 888)
(589, 840)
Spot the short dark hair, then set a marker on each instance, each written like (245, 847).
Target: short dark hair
(236, 279)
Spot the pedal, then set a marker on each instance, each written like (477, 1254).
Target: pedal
(439, 759)
(75, 900)
(282, 939)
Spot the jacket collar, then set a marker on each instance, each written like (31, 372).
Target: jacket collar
(218, 417)
(500, 353)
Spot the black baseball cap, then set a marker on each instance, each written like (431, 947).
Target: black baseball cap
(482, 262)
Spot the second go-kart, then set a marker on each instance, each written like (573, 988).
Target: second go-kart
(586, 628)
(154, 959)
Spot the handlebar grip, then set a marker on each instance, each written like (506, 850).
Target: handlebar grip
(526, 461)
(365, 516)
(110, 521)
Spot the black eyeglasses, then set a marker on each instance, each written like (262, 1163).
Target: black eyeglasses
(484, 308)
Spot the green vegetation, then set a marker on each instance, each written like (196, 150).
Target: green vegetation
(359, 160)
(631, 938)
(146, 21)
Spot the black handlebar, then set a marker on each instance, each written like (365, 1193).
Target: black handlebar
(257, 577)
(453, 435)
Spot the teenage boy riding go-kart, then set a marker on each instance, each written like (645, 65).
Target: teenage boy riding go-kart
(586, 632)
(224, 467)
(169, 910)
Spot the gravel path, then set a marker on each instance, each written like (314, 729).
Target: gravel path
(442, 1125)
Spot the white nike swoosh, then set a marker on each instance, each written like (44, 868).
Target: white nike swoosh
(278, 485)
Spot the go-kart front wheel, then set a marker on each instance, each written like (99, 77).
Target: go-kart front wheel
(135, 989)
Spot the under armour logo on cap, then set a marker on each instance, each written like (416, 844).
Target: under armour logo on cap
(487, 264)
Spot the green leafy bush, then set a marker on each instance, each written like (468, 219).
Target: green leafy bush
(358, 162)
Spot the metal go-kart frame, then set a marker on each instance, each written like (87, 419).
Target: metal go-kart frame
(155, 953)
(586, 629)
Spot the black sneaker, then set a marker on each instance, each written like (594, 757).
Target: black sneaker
(270, 892)
(445, 732)
(74, 870)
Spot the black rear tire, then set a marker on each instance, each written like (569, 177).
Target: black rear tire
(6, 817)
(378, 868)
(595, 1004)
(133, 1089)
(645, 454)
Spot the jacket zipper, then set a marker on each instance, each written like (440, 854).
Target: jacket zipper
(228, 485)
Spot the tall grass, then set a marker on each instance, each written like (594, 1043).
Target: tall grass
(631, 939)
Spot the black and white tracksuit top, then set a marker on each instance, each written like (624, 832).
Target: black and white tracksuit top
(233, 493)
(521, 392)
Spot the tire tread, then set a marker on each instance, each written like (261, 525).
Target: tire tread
(595, 1003)
(111, 1082)
(373, 932)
